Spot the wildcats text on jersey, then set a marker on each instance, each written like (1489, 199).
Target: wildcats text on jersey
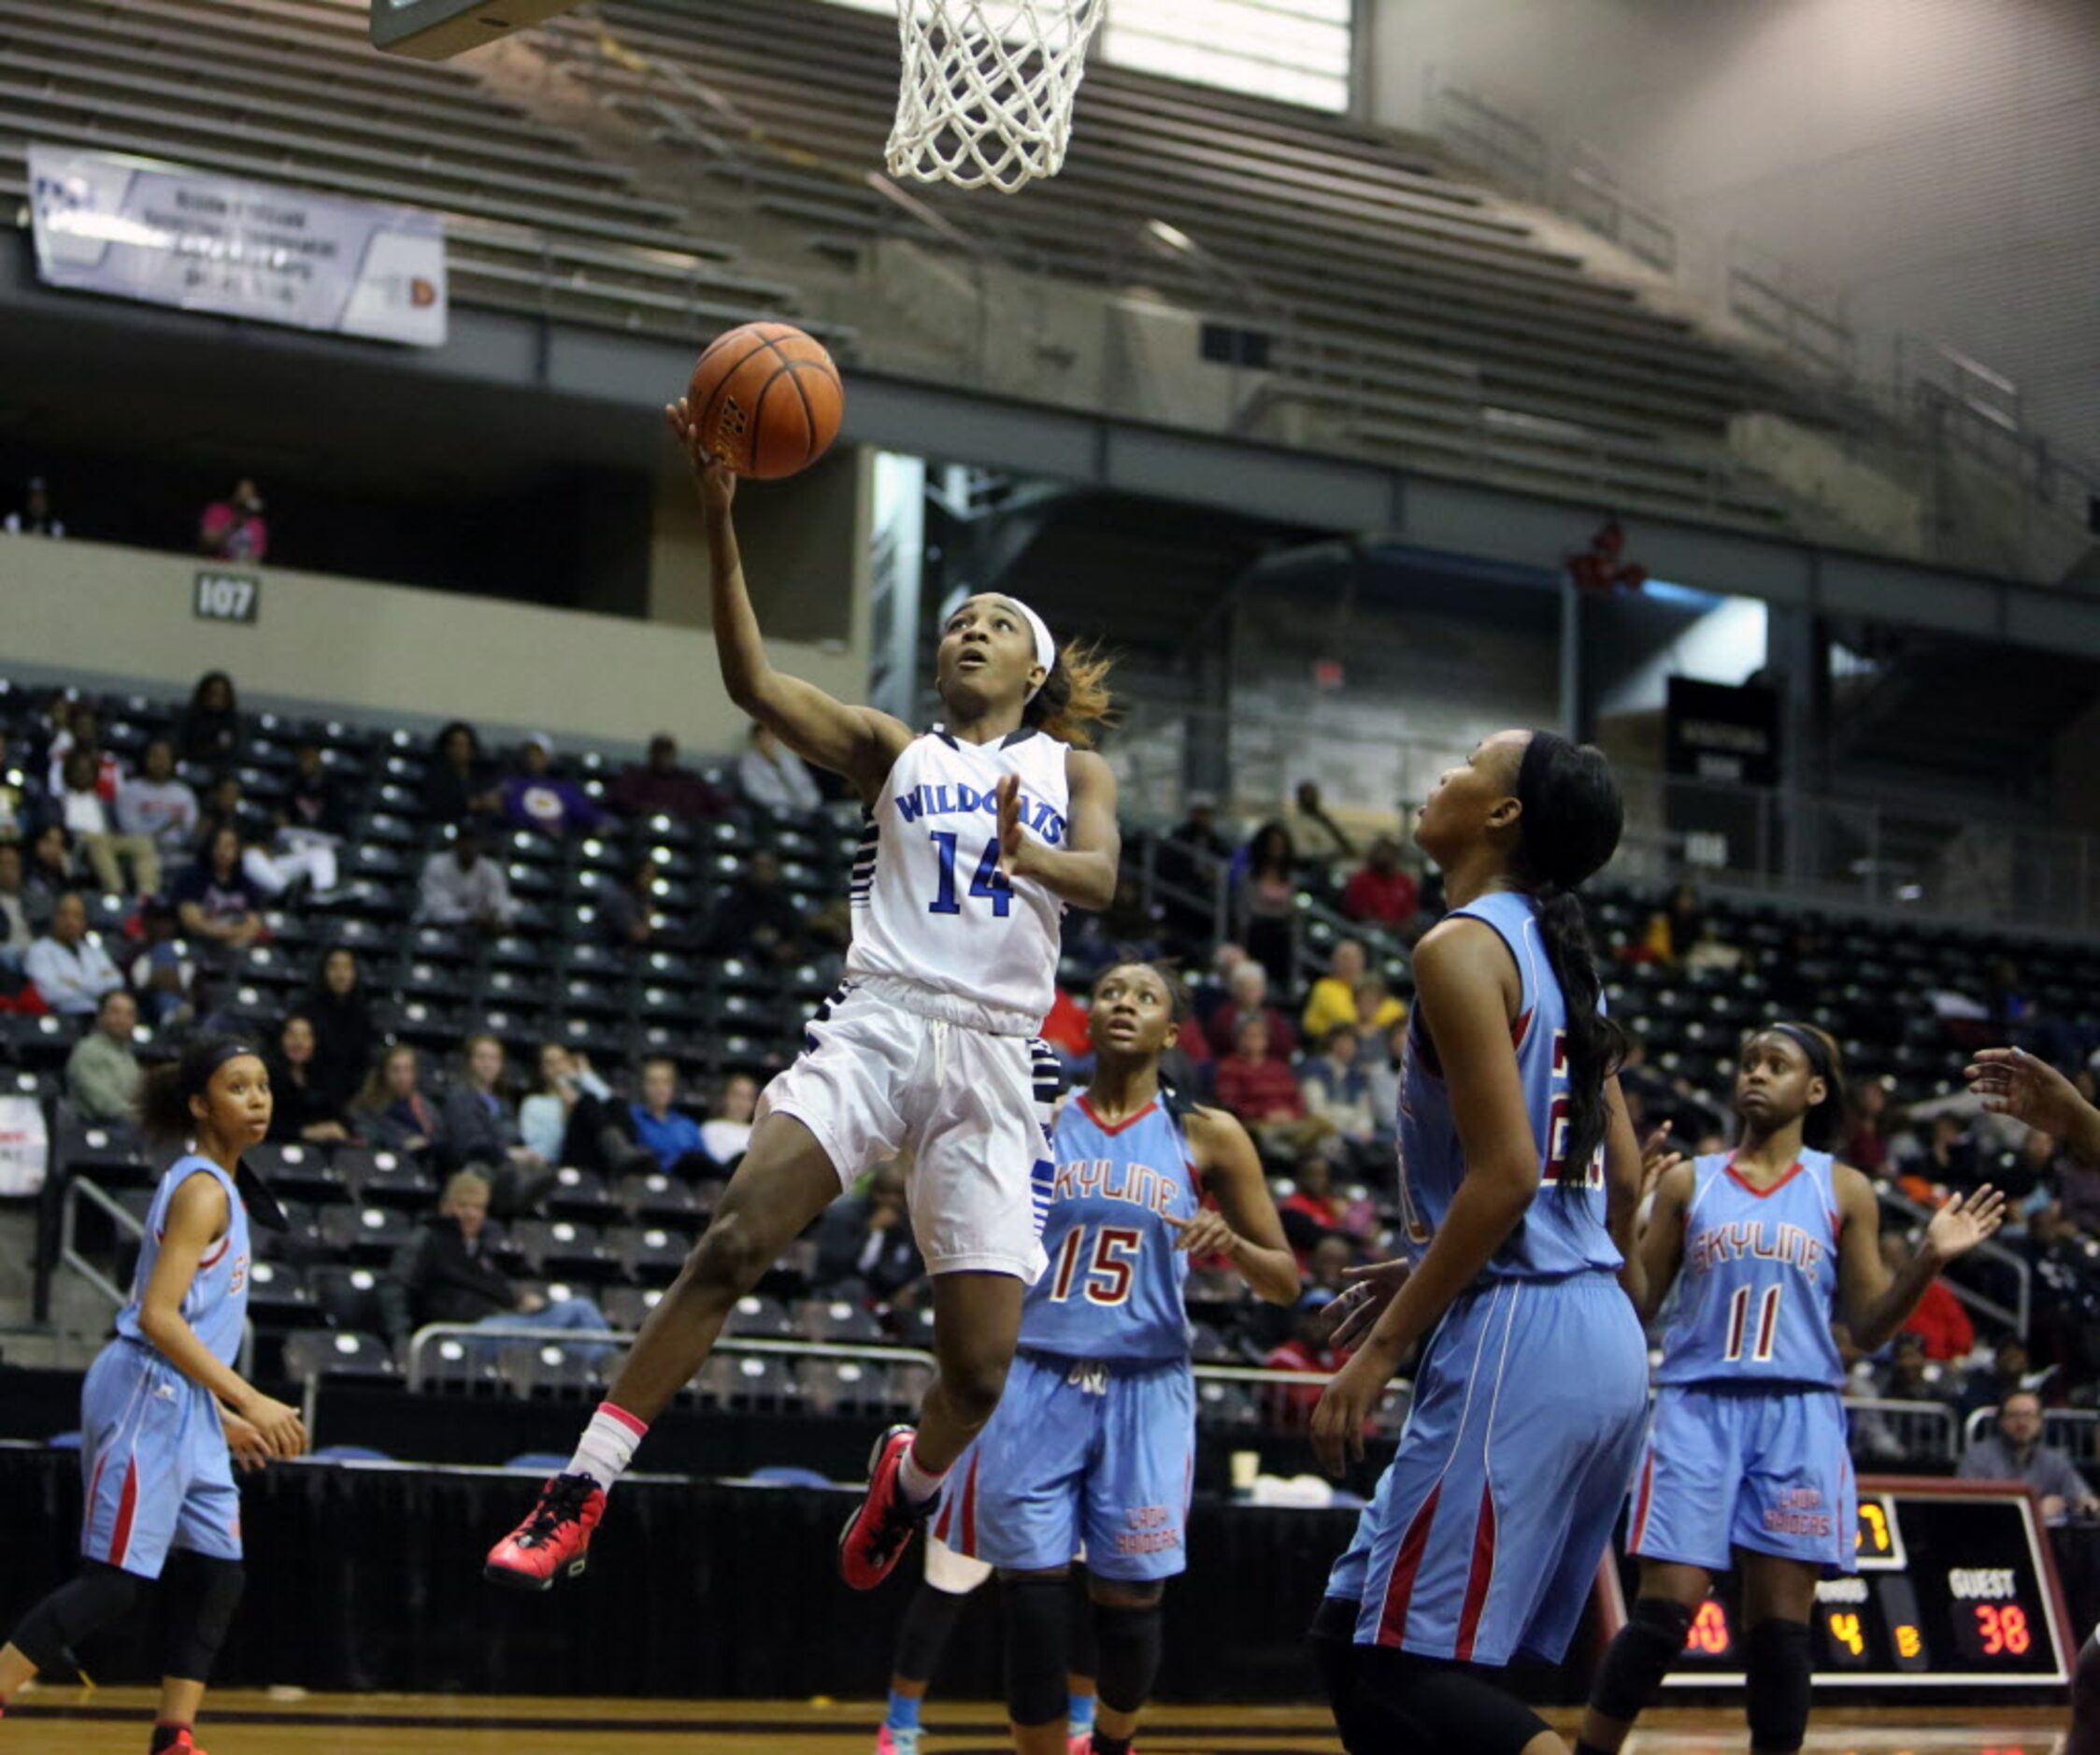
(1039, 817)
(1748, 1239)
(1120, 1180)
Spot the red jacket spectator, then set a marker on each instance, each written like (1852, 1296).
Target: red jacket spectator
(1381, 890)
(234, 530)
(1259, 1089)
(1291, 1408)
(1941, 1323)
(1065, 1026)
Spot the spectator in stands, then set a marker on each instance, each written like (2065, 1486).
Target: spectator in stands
(1185, 863)
(209, 730)
(1249, 987)
(233, 529)
(71, 971)
(2065, 1277)
(1128, 929)
(20, 798)
(726, 1132)
(1911, 1374)
(1676, 927)
(301, 1109)
(627, 913)
(1383, 892)
(164, 973)
(2015, 1452)
(36, 517)
(77, 727)
(1320, 841)
(92, 826)
(461, 887)
(571, 1119)
(865, 1242)
(1263, 1092)
(1332, 1258)
(1337, 1093)
(660, 1127)
(392, 1111)
(49, 873)
(224, 808)
(459, 781)
(448, 1274)
(103, 1073)
(344, 1036)
(1864, 1146)
(481, 1127)
(1377, 1008)
(1331, 1002)
(2077, 1188)
(657, 787)
(216, 899)
(15, 931)
(533, 797)
(2011, 1368)
(1940, 1322)
(1309, 1349)
(157, 803)
(1949, 1160)
(1383, 1054)
(759, 918)
(312, 820)
(772, 776)
(1712, 954)
(1266, 899)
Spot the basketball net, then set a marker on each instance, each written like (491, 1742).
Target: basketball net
(988, 89)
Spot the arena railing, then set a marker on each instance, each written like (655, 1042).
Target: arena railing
(70, 1257)
(1921, 1431)
(2075, 1430)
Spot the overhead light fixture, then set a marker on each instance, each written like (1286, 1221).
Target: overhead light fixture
(1171, 236)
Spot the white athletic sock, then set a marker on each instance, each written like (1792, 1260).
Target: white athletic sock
(917, 1484)
(607, 1445)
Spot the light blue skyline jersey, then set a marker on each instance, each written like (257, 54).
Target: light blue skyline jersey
(216, 1303)
(1114, 1287)
(1560, 1235)
(1759, 1279)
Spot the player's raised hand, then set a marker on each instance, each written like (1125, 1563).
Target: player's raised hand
(2013, 1082)
(1658, 1158)
(1008, 794)
(1207, 1234)
(717, 480)
(1357, 1311)
(1964, 1221)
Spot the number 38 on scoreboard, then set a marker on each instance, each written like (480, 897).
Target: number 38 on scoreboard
(1955, 1586)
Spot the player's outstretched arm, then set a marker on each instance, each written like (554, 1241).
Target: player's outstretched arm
(1245, 1229)
(857, 742)
(2013, 1082)
(1661, 1240)
(1459, 971)
(1877, 1302)
(1082, 872)
(195, 1217)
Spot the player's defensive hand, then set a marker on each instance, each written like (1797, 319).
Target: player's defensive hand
(244, 1442)
(2013, 1082)
(1207, 1234)
(1345, 1405)
(1008, 794)
(282, 1431)
(1963, 1222)
(1357, 1311)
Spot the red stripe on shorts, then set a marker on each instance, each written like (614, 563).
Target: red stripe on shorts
(1400, 1587)
(1477, 1582)
(126, 1505)
(969, 1510)
(1640, 1503)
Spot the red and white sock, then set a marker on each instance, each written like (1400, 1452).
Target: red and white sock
(607, 1445)
(919, 1485)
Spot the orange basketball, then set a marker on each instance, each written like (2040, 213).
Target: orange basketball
(767, 400)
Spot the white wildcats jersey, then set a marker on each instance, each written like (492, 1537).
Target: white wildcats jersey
(930, 907)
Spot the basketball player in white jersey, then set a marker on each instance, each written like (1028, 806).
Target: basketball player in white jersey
(980, 832)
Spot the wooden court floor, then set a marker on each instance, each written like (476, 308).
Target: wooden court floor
(67, 1722)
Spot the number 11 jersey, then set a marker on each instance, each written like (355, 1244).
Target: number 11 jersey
(929, 905)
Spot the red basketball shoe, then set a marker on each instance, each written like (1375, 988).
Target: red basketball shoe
(553, 1541)
(882, 1526)
(184, 1743)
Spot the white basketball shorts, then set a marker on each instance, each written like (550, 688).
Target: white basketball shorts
(968, 1110)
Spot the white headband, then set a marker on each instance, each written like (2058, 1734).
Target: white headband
(1046, 648)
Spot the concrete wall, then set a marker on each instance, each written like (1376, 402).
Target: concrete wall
(105, 615)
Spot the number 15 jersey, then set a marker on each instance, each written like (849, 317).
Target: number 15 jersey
(929, 905)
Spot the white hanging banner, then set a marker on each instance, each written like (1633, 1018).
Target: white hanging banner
(25, 1147)
(140, 229)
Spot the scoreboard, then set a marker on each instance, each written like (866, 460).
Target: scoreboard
(1956, 1588)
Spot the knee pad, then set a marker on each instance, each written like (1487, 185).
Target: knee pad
(78, 1609)
(1631, 1672)
(2085, 1702)
(1084, 1657)
(1038, 1622)
(1413, 1702)
(200, 1595)
(1779, 1667)
(1129, 1654)
(927, 1626)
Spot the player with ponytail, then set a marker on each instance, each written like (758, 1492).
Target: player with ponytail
(1519, 1181)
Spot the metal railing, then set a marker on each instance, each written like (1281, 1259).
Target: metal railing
(2075, 1430)
(1489, 136)
(1913, 1432)
(79, 1188)
(1592, 195)
(732, 1345)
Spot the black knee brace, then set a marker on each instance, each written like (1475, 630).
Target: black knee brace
(1631, 1672)
(79, 1608)
(1129, 1654)
(199, 1596)
(1039, 1631)
(1778, 1669)
(1332, 1637)
(1084, 1658)
(1413, 1702)
(2085, 1702)
(928, 1624)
